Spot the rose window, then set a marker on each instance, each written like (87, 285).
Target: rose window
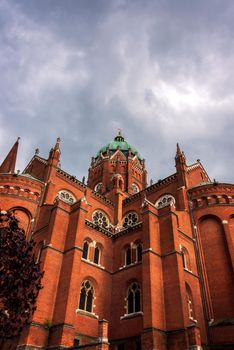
(66, 197)
(100, 219)
(164, 201)
(130, 219)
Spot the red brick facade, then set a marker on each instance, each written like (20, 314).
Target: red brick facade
(126, 266)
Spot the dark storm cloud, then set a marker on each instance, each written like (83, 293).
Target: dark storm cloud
(160, 70)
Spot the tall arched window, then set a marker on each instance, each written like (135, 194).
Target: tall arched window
(189, 298)
(85, 253)
(185, 259)
(139, 252)
(128, 256)
(86, 296)
(133, 298)
(97, 254)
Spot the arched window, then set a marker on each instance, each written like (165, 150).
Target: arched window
(135, 188)
(185, 259)
(100, 219)
(139, 252)
(133, 298)
(128, 256)
(130, 219)
(189, 298)
(98, 187)
(97, 254)
(85, 253)
(86, 296)
(66, 196)
(164, 200)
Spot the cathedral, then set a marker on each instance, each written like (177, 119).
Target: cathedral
(127, 265)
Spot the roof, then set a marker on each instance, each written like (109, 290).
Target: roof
(118, 143)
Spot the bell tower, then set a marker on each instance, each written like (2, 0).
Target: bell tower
(117, 165)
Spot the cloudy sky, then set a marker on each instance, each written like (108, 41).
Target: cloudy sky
(161, 70)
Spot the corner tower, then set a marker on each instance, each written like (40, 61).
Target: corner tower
(117, 165)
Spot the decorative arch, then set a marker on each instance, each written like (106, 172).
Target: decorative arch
(217, 265)
(24, 216)
(165, 200)
(66, 196)
(100, 218)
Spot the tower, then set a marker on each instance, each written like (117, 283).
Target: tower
(117, 165)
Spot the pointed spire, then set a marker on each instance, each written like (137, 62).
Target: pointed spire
(8, 165)
(57, 143)
(178, 151)
(54, 156)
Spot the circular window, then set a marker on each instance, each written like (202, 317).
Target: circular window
(100, 219)
(165, 200)
(66, 197)
(130, 219)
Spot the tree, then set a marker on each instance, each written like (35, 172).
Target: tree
(20, 277)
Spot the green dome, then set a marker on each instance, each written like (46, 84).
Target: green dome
(118, 143)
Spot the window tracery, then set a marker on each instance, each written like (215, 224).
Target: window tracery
(133, 298)
(86, 296)
(164, 200)
(100, 219)
(66, 196)
(130, 219)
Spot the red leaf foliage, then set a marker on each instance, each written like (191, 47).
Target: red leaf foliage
(20, 277)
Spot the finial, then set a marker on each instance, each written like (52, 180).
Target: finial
(119, 136)
(58, 140)
(120, 132)
(18, 138)
(37, 151)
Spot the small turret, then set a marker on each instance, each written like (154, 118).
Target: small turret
(181, 167)
(8, 165)
(54, 156)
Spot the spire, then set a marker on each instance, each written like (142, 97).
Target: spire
(8, 165)
(178, 151)
(55, 152)
(181, 166)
